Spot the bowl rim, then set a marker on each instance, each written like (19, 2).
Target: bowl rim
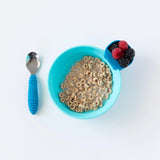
(78, 114)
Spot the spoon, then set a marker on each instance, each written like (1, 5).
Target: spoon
(33, 63)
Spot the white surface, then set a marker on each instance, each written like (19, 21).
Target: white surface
(129, 130)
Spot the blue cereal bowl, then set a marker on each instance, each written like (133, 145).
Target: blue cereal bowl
(61, 67)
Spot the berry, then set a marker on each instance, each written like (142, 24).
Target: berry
(113, 46)
(117, 53)
(124, 62)
(122, 55)
(123, 45)
(131, 59)
(130, 53)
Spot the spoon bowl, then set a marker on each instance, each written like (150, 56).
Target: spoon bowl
(32, 62)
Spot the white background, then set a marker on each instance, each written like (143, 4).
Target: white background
(129, 130)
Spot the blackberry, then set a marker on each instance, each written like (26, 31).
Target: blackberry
(130, 53)
(130, 59)
(124, 62)
(113, 46)
(116, 42)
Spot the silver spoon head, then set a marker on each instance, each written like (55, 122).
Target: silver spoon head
(32, 62)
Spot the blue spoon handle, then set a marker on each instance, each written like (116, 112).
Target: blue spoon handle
(33, 94)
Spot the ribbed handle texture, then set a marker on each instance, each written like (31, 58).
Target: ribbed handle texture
(33, 94)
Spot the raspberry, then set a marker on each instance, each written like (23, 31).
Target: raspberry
(113, 46)
(117, 53)
(123, 45)
(130, 53)
(124, 62)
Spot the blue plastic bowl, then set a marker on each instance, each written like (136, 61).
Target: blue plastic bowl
(61, 67)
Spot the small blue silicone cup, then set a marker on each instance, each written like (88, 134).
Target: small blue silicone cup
(61, 67)
(112, 61)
